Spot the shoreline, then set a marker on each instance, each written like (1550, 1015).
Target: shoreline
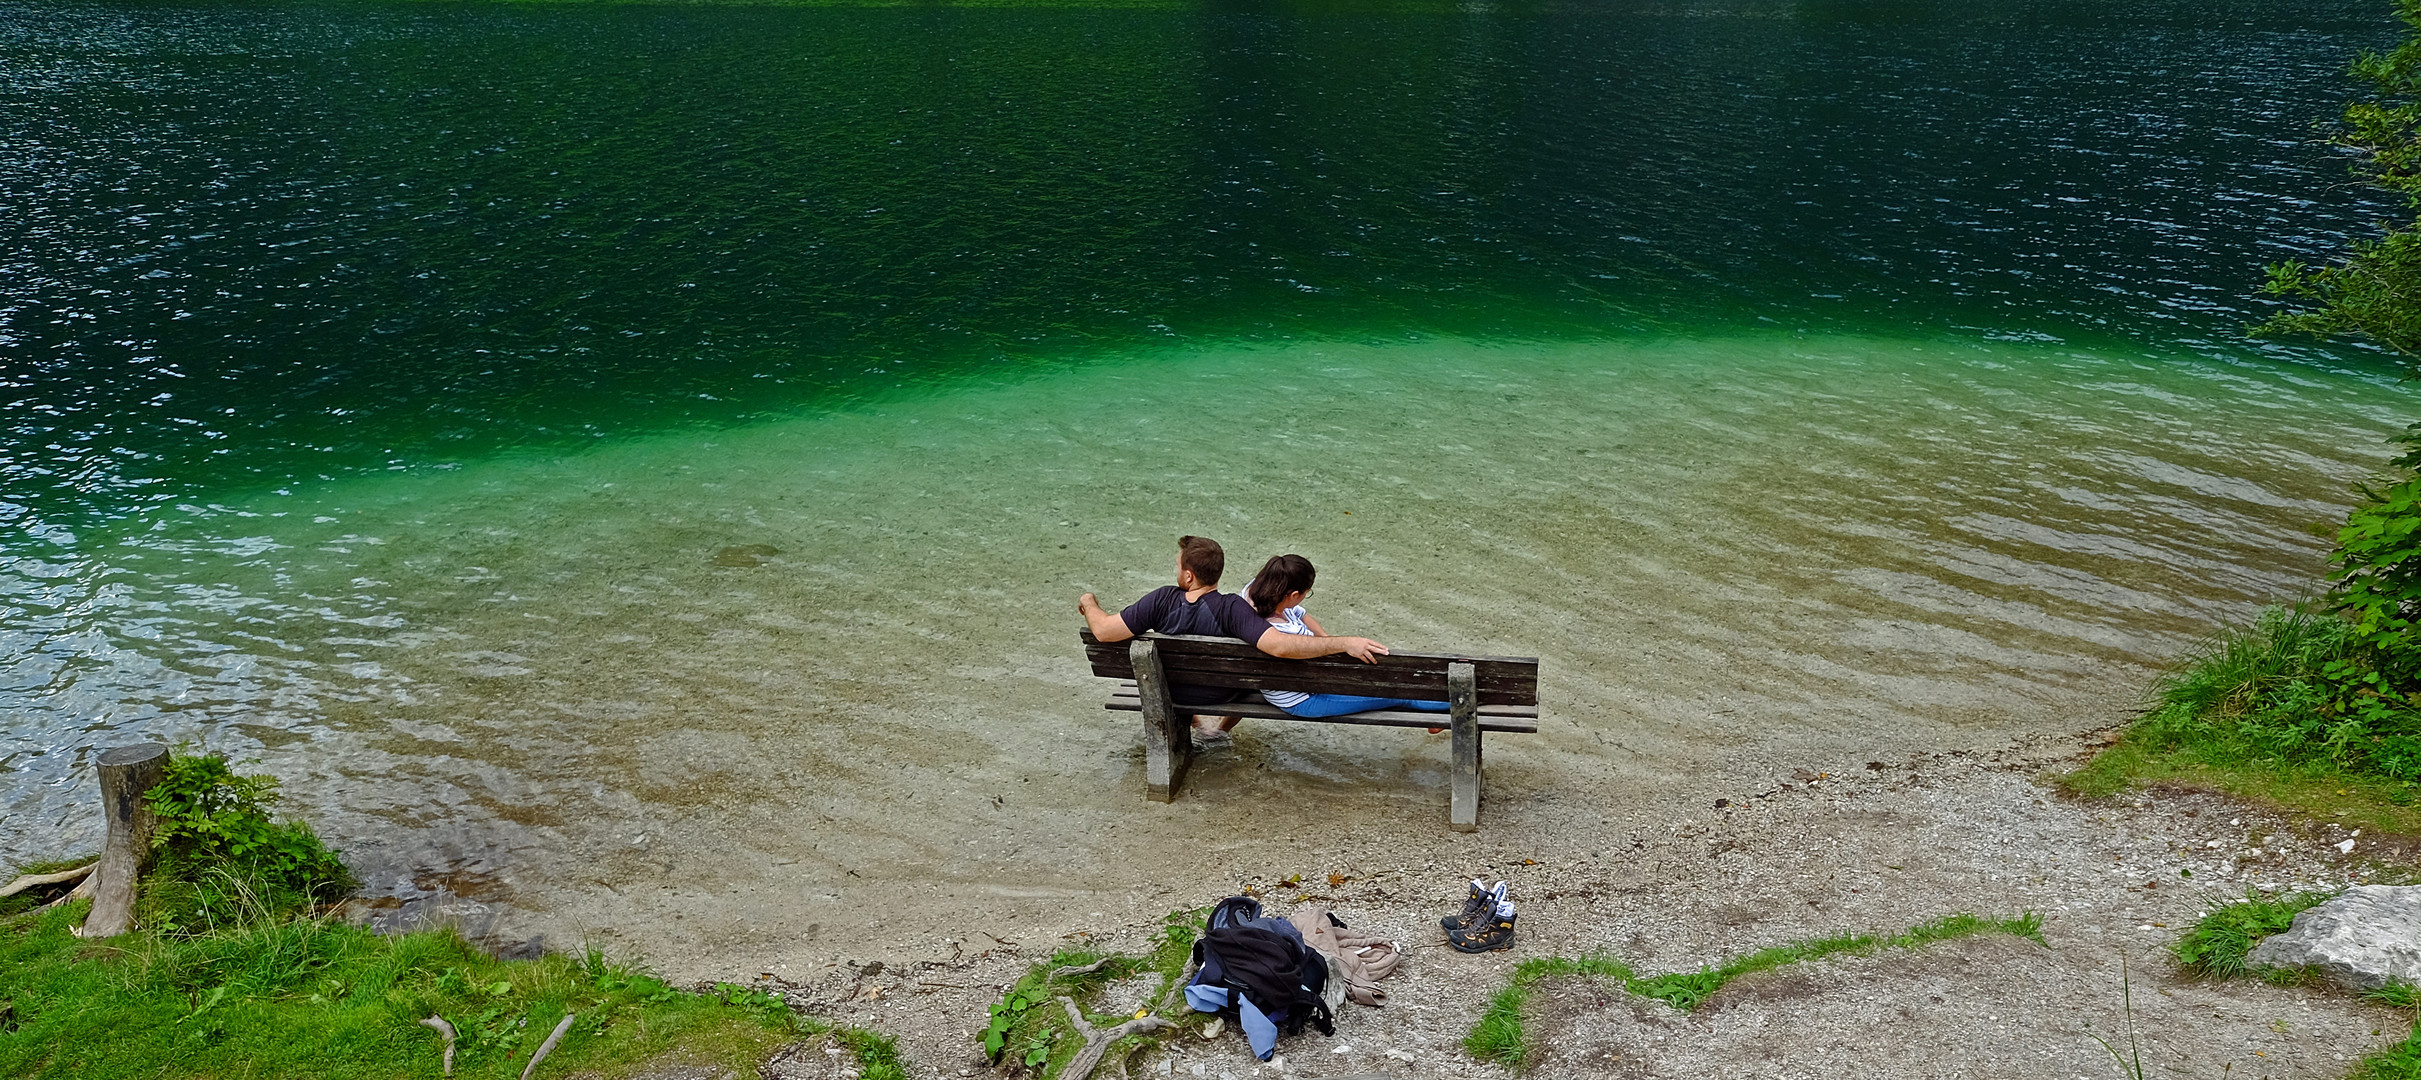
(1879, 849)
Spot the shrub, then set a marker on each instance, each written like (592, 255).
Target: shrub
(2297, 690)
(219, 860)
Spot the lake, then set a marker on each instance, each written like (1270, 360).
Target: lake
(586, 447)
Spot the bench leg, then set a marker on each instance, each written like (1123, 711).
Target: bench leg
(1462, 699)
(1168, 742)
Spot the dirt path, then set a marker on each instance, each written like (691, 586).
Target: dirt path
(1675, 887)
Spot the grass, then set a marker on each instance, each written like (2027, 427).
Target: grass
(2246, 715)
(2216, 945)
(1500, 1035)
(283, 997)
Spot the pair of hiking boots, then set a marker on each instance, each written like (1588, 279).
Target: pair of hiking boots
(1486, 922)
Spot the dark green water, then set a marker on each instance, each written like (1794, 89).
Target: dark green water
(375, 371)
(255, 244)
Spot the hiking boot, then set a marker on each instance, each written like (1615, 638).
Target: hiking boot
(1488, 935)
(1474, 906)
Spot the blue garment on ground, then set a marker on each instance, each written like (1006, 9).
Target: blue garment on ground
(1340, 704)
(1259, 1031)
(1206, 994)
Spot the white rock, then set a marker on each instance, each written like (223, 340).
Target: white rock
(2345, 847)
(2366, 937)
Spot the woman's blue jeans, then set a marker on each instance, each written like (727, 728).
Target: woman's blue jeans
(1339, 704)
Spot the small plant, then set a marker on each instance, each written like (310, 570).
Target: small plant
(2130, 1064)
(2216, 945)
(1005, 1015)
(219, 860)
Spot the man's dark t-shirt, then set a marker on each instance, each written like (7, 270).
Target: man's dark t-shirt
(1216, 615)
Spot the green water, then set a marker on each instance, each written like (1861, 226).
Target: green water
(530, 428)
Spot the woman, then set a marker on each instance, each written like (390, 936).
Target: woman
(1277, 593)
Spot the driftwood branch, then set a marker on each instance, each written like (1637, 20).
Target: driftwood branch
(1098, 1042)
(36, 881)
(1056, 973)
(548, 1047)
(438, 1024)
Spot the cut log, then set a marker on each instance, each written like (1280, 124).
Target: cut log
(126, 773)
(1098, 1042)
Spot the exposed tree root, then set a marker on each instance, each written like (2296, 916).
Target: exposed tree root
(36, 881)
(548, 1047)
(438, 1023)
(1098, 1042)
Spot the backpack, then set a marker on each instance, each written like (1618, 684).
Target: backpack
(1263, 959)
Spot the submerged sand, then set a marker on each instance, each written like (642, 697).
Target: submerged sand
(808, 693)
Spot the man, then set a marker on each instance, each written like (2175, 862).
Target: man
(1195, 606)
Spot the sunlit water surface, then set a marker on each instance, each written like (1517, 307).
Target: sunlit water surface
(531, 429)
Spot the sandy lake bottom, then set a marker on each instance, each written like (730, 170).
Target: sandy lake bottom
(821, 672)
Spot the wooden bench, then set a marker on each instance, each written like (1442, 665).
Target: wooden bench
(1485, 693)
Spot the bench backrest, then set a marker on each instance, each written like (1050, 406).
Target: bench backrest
(1226, 662)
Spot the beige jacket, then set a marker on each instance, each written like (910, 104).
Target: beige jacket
(1363, 958)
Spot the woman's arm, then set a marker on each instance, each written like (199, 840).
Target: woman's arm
(1314, 624)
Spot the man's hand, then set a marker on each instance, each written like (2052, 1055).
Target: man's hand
(1104, 625)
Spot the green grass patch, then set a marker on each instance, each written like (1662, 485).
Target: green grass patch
(310, 998)
(2261, 713)
(1500, 1035)
(230, 972)
(1028, 1026)
(2215, 946)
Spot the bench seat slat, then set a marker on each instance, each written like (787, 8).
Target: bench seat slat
(1224, 663)
(1126, 691)
(1377, 718)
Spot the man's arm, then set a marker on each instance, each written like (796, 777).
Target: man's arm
(1106, 626)
(1281, 644)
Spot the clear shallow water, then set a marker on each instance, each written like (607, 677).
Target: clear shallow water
(390, 386)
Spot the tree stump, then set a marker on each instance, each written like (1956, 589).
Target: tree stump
(126, 773)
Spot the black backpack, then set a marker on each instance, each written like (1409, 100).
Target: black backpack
(1265, 960)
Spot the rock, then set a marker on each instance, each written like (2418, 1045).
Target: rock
(2367, 937)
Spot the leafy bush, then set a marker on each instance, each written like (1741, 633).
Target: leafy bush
(219, 860)
(2299, 690)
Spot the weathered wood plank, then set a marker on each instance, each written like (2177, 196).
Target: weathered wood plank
(1125, 691)
(1511, 725)
(1233, 664)
(1168, 744)
(1462, 812)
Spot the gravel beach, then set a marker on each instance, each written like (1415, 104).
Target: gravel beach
(1877, 848)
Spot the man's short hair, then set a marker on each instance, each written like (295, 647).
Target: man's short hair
(1203, 556)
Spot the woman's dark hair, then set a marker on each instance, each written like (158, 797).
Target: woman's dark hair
(1282, 574)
